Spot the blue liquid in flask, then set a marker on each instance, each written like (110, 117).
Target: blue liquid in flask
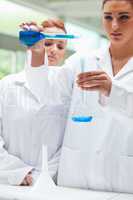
(82, 118)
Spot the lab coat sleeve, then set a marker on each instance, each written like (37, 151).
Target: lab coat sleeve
(64, 85)
(64, 82)
(120, 99)
(12, 169)
(66, 76)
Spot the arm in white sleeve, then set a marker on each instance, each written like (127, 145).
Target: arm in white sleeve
(53, 161)
(12, 169)
(120, 99)
(66, 76)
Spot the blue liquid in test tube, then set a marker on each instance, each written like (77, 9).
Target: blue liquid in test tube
(29, 37)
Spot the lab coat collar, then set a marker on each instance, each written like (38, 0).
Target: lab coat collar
(21, 78)
(128, 68)
(22, 81)
(104, 59)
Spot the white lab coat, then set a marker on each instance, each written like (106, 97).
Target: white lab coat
(99, 155)
(27, 122)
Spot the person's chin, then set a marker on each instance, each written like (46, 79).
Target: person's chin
(117, 41)
(116, 37)
(52, 63)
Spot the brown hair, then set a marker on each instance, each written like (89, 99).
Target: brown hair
(104, 1)
(56, 22)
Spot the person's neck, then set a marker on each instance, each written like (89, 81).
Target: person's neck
(121, 53)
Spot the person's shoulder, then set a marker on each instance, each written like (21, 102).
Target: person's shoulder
(74, 62)
(10, 79)
(74, 57)
(77, 57)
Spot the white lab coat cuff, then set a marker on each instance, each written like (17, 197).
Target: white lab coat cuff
(117, 99)
(103, 100)
(35, 175)
(17, 176)
(114, 99)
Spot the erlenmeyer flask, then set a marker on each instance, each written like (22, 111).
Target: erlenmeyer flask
(79, 113)
(82, 110)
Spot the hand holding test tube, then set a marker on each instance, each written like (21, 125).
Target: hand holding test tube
(95, 80)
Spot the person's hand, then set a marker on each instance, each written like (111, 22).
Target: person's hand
(28, 180)
(39, 46)
(95, 81)
(38, 49)
(31, 26)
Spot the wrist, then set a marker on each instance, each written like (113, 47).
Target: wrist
(37, 59)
